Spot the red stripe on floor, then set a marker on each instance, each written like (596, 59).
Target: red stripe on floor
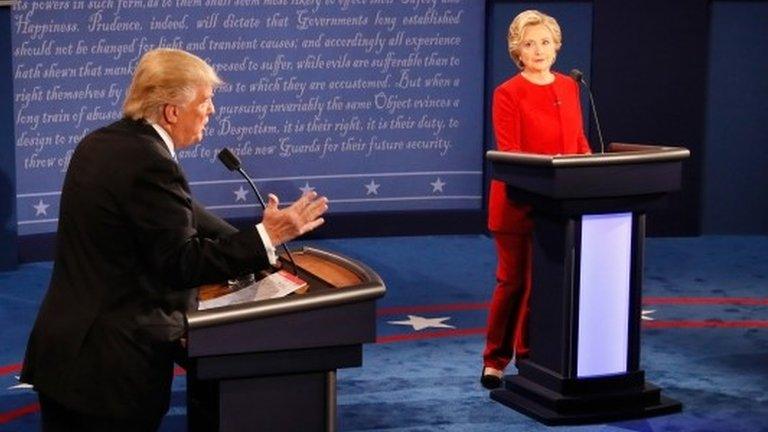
(9, 416)
(430, 335)
(705, 324)
(9, 369)
(399, 310)
(694, 301)
(646, 324)
(744, 301)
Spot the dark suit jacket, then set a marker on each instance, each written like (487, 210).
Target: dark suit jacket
(131, 246)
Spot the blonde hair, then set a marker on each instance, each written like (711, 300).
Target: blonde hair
(166, 76)
(529, 18)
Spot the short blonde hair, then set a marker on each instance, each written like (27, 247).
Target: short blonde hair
(166, 76)
(529, 18)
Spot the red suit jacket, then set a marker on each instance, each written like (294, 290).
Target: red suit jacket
(532, 118)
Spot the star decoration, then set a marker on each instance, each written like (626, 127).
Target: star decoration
(240, 194)
(373, 188)
(437, 185)
(20, 385)
(421, 323)
(306, 188)
(41, 208)
(644, 314)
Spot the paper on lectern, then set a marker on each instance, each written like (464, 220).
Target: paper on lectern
(275, 285)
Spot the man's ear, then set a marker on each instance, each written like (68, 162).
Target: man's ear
(171, 113)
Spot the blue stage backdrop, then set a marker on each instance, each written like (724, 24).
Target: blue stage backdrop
(375, 103)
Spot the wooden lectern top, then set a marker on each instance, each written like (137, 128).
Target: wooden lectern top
(333, 280)
(333, 273)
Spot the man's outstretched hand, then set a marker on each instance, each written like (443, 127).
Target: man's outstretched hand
(299, 218)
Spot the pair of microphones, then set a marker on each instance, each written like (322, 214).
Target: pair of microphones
(232, 162)
(579, 77)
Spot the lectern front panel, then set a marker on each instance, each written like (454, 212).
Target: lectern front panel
(604, 275)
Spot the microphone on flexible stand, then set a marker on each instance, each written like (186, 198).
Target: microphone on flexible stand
(232, 162)
(579, 77)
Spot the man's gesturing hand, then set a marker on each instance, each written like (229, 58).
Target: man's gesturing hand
(298, 218)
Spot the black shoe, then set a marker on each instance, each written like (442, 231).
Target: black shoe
(490, 381)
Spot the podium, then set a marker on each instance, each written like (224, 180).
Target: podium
(585, 304)
(271, 365)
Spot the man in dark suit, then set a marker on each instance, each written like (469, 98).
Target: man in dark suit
(131, 246)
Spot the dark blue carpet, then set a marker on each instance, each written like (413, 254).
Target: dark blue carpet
(707, 345)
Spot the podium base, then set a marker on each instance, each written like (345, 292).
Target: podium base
(553, 408)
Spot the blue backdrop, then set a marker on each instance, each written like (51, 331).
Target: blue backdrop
(736, 154)
(379, 107)
(8, 227)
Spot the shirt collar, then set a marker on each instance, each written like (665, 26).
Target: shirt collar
(166, 138)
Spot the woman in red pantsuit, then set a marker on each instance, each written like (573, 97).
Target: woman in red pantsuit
(536, 111)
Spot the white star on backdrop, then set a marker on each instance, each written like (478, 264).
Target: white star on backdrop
(240, 194)
(421, 323)
(41, 208)
(437, 185)
(306, 188)
(373, 188)
(644, 314)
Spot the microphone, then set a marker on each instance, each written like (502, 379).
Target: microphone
(232, 162)
(579, 77)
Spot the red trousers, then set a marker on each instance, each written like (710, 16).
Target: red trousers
(508, 314)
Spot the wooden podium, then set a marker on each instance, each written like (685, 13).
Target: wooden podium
(584, 328)
(271, 365)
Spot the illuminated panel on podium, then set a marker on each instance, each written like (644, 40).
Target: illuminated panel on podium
(606, 248)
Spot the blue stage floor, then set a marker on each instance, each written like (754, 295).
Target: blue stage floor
(705, 341)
